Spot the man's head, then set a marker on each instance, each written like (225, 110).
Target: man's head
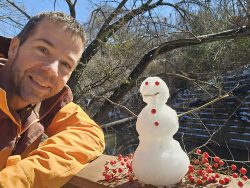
(72, 26)
(43, 56)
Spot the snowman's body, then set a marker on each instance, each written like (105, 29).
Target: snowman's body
(159, 159)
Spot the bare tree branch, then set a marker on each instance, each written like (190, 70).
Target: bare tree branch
(19, 9)
(72, 8)
(106, 31)
(163, 48)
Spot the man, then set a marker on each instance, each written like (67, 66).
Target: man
(34, 99)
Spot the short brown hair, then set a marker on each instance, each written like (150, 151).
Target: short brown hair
(72, 26)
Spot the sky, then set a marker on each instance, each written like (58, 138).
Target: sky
(32, 7)
(35, 6)
(83, 11)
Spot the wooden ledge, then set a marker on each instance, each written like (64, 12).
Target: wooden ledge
(91, 177)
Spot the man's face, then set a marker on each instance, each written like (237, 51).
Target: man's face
(42, 65)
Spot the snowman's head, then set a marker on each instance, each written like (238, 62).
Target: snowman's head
(154, 91)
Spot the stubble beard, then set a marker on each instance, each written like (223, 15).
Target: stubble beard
(20, 89)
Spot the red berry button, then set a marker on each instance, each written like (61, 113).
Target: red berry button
(157, 83)
(146, 83)
(156, 123)
(153, 111)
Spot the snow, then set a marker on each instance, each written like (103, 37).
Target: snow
(159, 159)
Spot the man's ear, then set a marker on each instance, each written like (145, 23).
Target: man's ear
(13, 49)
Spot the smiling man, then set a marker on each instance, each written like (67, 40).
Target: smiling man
(34, 99)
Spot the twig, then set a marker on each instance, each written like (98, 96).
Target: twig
(229, 151)
(116, 104)
(118, 122)
(203, 106)
(182, 141)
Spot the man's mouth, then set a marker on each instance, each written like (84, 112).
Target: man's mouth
(151, 95)
(39, 83)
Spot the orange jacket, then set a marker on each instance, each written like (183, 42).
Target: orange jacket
(74, 140)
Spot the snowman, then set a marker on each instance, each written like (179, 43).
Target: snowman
(159, 159)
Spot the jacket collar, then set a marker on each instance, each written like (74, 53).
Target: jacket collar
(7, 110)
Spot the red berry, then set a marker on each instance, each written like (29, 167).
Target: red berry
(216, 165)
(243, 171)
(153, 111)
(114, 171)
(112, 162)
(235, 175)
(205, 154)
(120, 170)
(107, 177)
(122, 163)
(227, 179)
(204, 160)
(240, 184)
(209, 170)
(216, 175)
(211, 179)
(190, 168)
(157, 83)
(199, 182)
(146, 83)
(222, 181)
(221, 163)
(125, 159)
(233, 167)
(106, 168)
(216, 159)
(204, 177)
(191, 179)
(200, 172)
(207, 165)
(120, 156)
(156, 123)
(198, 151)
(244, 178)
(196, 161)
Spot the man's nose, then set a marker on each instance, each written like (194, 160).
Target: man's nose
(51, 68)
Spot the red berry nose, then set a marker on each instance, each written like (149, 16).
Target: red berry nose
(146, 83)
(156, 123)
(157, 83)
(153, 111)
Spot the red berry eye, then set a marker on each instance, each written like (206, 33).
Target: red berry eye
(146, 83)
(157, 83)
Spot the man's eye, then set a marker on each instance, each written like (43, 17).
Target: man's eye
(43, 50)
(67, 65)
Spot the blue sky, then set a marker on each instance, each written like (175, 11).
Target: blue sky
(83, 11)
(32, 7)
(35, 6)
